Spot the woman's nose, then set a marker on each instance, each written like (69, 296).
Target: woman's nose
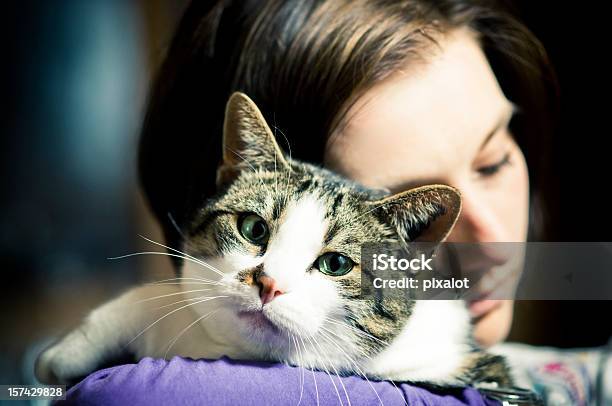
(480, 226)
(478, 222)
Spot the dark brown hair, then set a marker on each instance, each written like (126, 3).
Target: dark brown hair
(304, 62)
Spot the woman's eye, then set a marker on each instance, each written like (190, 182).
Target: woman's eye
(334, 264)
(491, 170)
(254, 229)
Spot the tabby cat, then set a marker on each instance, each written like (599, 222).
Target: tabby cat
(270, 270)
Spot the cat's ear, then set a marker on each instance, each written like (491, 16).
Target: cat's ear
(426, 213)
(248, 142)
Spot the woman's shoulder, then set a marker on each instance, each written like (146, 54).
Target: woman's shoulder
(561, 376)
(231, 382)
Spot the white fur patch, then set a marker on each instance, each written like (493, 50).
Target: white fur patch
(431, 347)
(297, 243)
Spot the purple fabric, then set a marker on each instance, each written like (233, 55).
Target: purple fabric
(228, 382)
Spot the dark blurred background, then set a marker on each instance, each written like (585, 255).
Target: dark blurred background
(75, 76)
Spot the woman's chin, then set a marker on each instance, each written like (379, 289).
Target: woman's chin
(492, 321)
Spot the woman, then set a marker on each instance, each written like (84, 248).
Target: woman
(393, 94)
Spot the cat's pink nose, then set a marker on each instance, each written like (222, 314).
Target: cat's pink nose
(268, 289)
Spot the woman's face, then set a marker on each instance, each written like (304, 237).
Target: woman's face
(446, 121)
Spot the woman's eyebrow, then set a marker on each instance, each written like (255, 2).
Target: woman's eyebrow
(503, 122)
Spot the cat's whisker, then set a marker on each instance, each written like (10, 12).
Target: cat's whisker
(175, 339)
(186, 256)
(331, 364)
(180, 301)
(176, 227)
(179, 279)
(196, 260)
(323, 363)
(370, 211)
(330, 340)
(356, 330)
(301, 361)
(275, 172)
(275, 167)
(290, 157)
(129, 305)
(352, 361)
(170, 294)
(400, 393)
(261, 182)
(301, 354)
(359, 369)
(168, 314)
(311, 367)
(241, 157)
(191, 299)
(134, 254)
(287, 192)
(276, 128)
(212, 268)
(342, 338)
(183, 283)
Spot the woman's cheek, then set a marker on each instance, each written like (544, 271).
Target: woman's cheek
(514, 199)
(507, 196)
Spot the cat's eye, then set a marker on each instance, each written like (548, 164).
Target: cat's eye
(334, 264)
(254, 229)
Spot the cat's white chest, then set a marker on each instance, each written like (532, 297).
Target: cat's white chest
(431, 347)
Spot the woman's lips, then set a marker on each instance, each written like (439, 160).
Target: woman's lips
(493, 288)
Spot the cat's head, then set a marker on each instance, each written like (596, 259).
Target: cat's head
(282, 242)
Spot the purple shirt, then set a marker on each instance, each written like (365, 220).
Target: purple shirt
(228, 382)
